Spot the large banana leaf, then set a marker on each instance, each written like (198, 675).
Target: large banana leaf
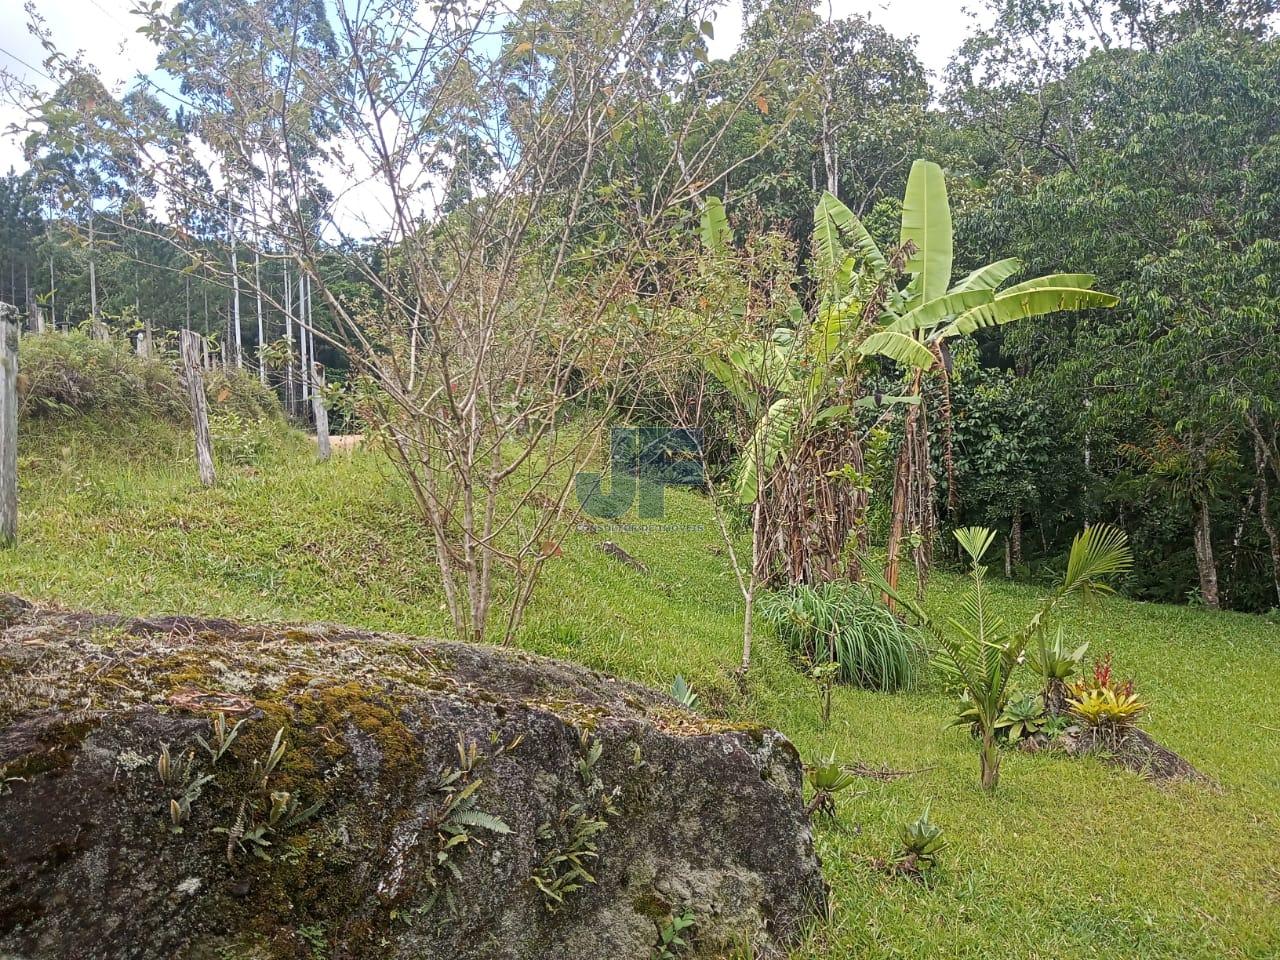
(1081, 281)
(713, 226)
(926, 223)
(992, 275)
(935, 311)
(772, 435)
(1029, 303)
(834, 224)
(898, 347)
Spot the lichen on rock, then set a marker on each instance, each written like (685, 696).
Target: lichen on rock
(420, 789)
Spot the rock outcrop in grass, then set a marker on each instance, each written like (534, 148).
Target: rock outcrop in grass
(372, 795)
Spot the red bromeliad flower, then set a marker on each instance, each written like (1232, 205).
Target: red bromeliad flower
(1102, 672)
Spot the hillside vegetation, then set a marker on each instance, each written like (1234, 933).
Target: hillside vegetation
(1070, 858)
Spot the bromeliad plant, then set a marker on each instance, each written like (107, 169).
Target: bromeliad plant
(1056, 664)
(1023, 717)
(1104, 703)
(921, 842)
(984, 651)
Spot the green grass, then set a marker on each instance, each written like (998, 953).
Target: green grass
(1069, 859)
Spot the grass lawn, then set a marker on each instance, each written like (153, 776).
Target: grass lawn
(1070, 859)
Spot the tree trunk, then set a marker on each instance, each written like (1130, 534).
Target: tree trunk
(262, 332)
(1264, 514)
(303, 294)
(989, 762)
(8, 427)
(1205, 564)
(1260, 454)
(93, 279)
(900, 504)
(235, 286)
(319, 412)
(193, 379)
(829, 159)
(1015, 537)
(898, 509)
(289, 401)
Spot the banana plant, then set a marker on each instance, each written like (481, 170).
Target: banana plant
(782, 381)
(930, 310)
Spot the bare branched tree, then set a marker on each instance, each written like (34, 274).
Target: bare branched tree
(486, 203)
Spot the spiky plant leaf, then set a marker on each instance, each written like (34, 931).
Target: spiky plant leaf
(1096, 552)
(1082, 281)
(926, 224)
(713, 226)
(771, 436)
(930, 314)
(834, 223)
(975, 541)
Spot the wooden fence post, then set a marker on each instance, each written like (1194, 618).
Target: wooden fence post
(321, 414)
(189, 343)
(8, 425)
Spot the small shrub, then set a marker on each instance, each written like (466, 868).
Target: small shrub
(64, 375)
(984, 652)
(671, 936)
(67, 375)
(844, 624)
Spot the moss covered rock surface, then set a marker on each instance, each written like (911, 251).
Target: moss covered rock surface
(186, 788)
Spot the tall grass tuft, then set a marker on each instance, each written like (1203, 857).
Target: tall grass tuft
(845, 623)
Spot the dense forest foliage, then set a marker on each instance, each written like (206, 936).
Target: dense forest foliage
(1135, 141)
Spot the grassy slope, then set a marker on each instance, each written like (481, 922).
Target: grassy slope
(1070, 859)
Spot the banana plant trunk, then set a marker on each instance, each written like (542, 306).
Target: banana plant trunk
(912, 510)
(808, 511)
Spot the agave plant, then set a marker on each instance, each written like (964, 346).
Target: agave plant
(684, 694)
(984, 650)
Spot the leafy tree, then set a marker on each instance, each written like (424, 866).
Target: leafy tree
(1174, 205)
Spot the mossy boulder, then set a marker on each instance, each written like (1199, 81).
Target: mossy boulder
(373, 795)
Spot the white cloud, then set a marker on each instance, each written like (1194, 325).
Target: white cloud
(103, 30)
(939, 25)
